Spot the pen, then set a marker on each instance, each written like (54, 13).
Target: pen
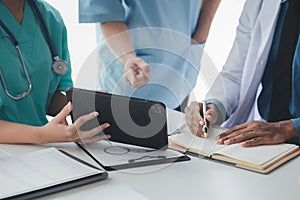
(205, 127)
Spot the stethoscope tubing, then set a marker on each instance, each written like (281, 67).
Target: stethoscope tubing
(58, 66)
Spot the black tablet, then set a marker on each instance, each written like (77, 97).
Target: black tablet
(132, 121)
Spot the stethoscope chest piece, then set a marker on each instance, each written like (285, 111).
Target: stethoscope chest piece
(59, 66)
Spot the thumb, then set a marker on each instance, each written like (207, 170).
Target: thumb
(130, 77)
(62, 115)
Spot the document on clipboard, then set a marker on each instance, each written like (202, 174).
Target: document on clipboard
(39, 173)
(117, 156)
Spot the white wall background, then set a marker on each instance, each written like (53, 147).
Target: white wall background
(82, 39)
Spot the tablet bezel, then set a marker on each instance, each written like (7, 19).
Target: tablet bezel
(85, 101)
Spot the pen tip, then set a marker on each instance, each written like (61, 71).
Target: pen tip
(205, 129)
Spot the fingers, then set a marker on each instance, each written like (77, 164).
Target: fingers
(142, 76)
(211, 114)
(252, 134)
(137, 72)
(195, 120)
(72, 133)
(93, 132)
(130, 77)
(255, 142)
(83, 119)
(263, 140)
(89, 136)
(62, 115)
(193, 117)
(103, 91)
(96, 139)
(238, 137)
(231, 133)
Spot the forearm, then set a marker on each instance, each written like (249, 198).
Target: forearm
(14, 133)
(207, 13)
(118, 39)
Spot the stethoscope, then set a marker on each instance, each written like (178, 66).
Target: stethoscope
(59, 66)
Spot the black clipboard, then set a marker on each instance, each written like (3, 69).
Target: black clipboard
(155, 161)
(132, 120)
(102, 175)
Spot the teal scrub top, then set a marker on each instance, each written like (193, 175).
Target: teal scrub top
(161, 32)
(32, 109)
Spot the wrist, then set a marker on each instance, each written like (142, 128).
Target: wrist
(126, 57)
(289, 129)
(41, 135)
(38, 138)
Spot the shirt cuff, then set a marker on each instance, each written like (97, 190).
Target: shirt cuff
(296, 123)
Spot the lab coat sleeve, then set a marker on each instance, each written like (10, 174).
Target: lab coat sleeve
(226, 87)
(100, 11)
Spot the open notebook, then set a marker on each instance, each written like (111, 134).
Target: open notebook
(261, 159)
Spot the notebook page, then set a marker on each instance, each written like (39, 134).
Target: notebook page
(174, 116)
(39, 169)
(203, 146)
(259, 155)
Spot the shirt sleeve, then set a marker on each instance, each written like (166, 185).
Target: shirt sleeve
(99, 11)
(296, 123)
(227, 86)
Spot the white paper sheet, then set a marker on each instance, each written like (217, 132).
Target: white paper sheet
(112, 153)
(39, 169)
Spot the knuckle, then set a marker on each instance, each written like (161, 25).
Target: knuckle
(243, 135)
(194, 104)
(187, 109)
(235, 127)
(81, 119)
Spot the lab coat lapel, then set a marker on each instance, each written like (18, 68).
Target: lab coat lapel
(256, 59)
(267, 21)
(259, 50)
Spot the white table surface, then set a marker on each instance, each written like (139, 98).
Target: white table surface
(195, 179)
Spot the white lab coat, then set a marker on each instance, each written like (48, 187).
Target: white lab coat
(237, 86)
